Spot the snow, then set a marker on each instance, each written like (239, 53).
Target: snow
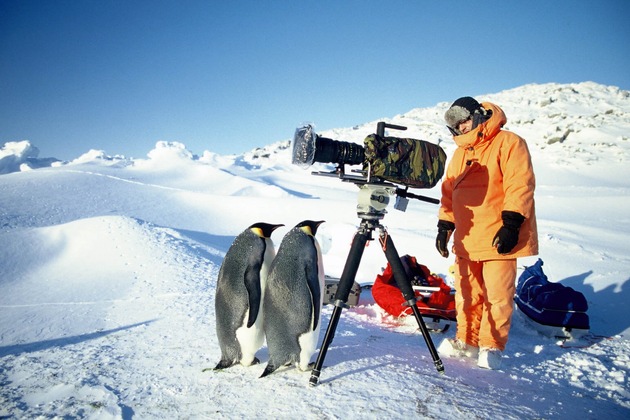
(109, 269)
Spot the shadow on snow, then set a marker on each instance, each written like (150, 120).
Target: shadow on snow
(17, 349)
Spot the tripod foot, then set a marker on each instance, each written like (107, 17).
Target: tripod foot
(314, 377)
(439, 366)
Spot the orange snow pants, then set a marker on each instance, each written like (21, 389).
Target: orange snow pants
(484, 301)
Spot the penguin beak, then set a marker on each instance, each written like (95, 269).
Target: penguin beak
(264, 230)
(310, 226)
(270, 230)
(316, 225)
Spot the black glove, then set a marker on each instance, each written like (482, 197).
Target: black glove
(445, 229)
(507, 236)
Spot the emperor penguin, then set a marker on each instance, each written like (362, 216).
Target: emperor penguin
(239, 295)
(293, 299)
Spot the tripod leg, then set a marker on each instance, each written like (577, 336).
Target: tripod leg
(341, 296)
(405, 286)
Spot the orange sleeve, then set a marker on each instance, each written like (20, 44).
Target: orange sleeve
(518, 177)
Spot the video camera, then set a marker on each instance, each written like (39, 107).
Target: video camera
(409, 162)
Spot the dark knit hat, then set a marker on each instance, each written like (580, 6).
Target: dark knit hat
(461, 110)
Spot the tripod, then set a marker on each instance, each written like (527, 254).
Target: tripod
(373, 199)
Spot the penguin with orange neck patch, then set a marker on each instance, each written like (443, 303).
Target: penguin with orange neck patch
(293, 299)
(239, 295)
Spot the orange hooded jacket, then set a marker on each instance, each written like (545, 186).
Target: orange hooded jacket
(490, 171)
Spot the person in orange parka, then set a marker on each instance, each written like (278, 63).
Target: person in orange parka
(488, 206)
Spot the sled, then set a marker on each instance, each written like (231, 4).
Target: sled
(567, 334)
(552, 309)
(330, 288)
(437, 324)
(435, 299)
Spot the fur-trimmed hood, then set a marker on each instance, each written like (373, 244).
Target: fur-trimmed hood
(484, 131)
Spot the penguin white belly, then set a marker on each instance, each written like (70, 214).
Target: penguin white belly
(250, 339)
(308, 344)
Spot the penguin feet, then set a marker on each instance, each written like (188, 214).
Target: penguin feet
(268, 370)
(306, 368)
(250, 361)
(255, 361)
(223, 364)
(271, 368)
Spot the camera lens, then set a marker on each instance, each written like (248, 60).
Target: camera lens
(339, 152)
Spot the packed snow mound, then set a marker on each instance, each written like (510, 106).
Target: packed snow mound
(573, 123)
(170, 151)
(92, 281)
(18, 156)
(175, 167)
(19, 149)
(79, 282)
(101, 158)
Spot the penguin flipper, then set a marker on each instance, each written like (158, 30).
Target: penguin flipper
(252, 284)
(312, 281)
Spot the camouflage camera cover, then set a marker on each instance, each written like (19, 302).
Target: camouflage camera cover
(414, 163)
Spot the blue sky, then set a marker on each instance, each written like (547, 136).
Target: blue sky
(230, 76)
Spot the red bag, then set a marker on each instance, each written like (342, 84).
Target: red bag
(433, 295)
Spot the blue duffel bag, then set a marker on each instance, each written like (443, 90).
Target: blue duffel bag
(550, 304)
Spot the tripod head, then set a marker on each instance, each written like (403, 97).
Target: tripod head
(372, 200)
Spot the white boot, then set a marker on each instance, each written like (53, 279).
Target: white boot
(456, 348)
(489, 358)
